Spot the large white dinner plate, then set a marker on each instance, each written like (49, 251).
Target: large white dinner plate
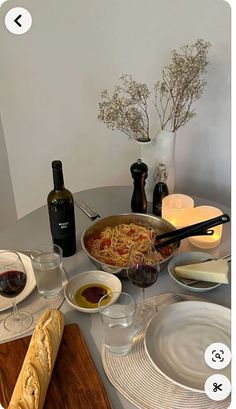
(6, 303)
(177, 337)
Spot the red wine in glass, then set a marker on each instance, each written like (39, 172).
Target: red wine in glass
(12, 283)
(13, 279)
(143, 275)
(143, 271)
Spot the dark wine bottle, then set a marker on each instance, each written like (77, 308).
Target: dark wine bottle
(160, 190)
(61, 213)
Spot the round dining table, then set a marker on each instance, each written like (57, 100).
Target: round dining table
(34, 229)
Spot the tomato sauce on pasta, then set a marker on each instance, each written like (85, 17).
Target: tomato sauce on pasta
(112, 245)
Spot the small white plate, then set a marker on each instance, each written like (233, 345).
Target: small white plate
(90, 277)
(5, 302)
(176, 339)
(191, 257)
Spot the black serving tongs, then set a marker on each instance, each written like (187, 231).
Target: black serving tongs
(197, 229)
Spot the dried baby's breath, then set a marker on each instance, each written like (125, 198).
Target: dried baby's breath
(127, 109)
(181, 85)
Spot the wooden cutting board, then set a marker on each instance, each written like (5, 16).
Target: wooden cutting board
(75, 382)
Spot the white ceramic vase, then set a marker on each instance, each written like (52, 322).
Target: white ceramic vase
(160, 149)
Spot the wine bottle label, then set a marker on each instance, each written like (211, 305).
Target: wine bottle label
(62, 223)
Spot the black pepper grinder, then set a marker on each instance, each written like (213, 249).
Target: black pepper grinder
(139, 171)
(160, 190)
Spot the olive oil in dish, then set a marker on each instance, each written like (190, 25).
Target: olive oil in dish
(89, 295)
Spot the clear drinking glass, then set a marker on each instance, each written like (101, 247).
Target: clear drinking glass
(142, 271)
(49, 273)
(117, 316)
(13, 278)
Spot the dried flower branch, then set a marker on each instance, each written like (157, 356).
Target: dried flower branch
(181, 85)
(127, 108)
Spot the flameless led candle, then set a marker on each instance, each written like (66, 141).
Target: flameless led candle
(200, 214)
(177, 209)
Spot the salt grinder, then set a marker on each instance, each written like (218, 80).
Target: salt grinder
(139, 172)
(160, 190)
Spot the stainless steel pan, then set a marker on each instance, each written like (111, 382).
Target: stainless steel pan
(159, 225)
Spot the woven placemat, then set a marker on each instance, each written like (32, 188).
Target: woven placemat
(34, 304)
(135, 378)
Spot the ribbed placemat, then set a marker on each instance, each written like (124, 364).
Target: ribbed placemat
(35, 304)
(135, 378)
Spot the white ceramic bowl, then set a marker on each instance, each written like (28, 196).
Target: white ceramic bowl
(90, 277)
(191, 257)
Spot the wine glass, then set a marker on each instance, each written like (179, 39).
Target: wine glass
(142, 271)
(13, 277)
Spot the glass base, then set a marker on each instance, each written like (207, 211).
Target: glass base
(51, 294)
(19, 323)
(146, 311)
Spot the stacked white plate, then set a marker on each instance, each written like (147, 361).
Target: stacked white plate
(176, 339)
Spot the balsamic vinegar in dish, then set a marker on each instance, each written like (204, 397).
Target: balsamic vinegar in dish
(89, 295)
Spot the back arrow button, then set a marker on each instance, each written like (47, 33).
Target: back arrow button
(16, 20)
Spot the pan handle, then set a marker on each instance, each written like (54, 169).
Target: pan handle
(179, 234)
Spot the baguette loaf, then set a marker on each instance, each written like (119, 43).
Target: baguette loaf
(32, 383)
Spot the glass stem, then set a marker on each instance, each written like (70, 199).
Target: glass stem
(15, 310)
(143, 299)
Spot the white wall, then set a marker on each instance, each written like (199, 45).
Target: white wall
(7, 202)
(51, 80)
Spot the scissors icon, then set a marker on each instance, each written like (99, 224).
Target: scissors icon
(217, 387)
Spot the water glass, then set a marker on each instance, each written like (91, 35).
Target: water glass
(48, 270)
(117, 312)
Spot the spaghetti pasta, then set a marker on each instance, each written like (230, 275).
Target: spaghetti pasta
(113, 244)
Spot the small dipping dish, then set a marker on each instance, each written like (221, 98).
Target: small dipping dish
(85, 289)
